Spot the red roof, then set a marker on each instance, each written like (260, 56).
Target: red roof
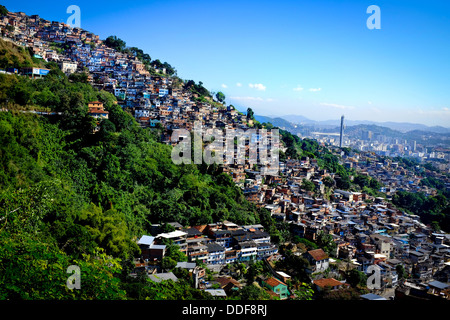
(226, 281)
(330, 282)
(318, 254)
(273, 282)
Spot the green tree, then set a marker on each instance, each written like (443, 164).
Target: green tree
(115, 43)
(304, 292)
(251, 292)
(35, 270)
(250, 114)
(400, 269)
(356, 278)
(3, 11)
(167, 263)
(308, 185)
(325, 241)
(220, 97)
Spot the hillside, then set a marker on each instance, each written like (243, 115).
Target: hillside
(12, 56)
(67, 194)
(80, 191)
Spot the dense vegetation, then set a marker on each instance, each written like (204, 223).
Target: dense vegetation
(12, 56)
(434, 210)
(68, 196)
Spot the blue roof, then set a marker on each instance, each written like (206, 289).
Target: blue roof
(372, 296)
(146, 240)
(439, 285)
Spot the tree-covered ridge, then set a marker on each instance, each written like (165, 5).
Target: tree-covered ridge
(120, 45)
(12, 56)
(68, 196)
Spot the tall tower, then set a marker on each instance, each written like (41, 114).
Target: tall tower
(342, 132)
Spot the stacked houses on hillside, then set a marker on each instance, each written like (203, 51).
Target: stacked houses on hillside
(368, 231)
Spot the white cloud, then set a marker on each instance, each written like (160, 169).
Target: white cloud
(298, 88)
(270, 100)
(224, 86)
(445, 111)
(374, 109)
(247, 98)
(257, 86)
(238, 84)
(337, 106)
(314, 89)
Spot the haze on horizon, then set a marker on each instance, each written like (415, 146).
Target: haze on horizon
(317, 59)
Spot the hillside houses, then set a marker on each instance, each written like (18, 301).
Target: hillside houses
(367, 231)
(218, 243)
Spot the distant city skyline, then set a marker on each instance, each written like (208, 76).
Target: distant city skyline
(310, 58)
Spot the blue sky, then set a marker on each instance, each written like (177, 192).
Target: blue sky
(312, 58)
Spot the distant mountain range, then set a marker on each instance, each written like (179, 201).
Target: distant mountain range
(293, 120)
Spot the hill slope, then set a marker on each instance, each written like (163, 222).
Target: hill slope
(67, 194)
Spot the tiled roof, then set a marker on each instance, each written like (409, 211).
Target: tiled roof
(273, 282)
(318, 254)
(330, 282)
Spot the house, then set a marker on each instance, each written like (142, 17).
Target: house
(178, 237)
(96, 110)
(331, 283)
(216, 253)
(68, 66)
(33, 72)
(159, 277)
(220, 293)
(372, 296)
(417, 257)
(150, 250)
(318, 259)
(439, 288)
(248, 250)
(228, 284)
(277, 287)
(382, 243)
(189, 266)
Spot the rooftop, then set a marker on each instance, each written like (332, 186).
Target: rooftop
(173, 234)
(439, 285)
(216, 292)
(162, 277)
(329, 282)
(318, 254)
(273, 282)
(146, 240)
(372, 296)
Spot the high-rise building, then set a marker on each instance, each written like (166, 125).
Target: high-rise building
(342, 132)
